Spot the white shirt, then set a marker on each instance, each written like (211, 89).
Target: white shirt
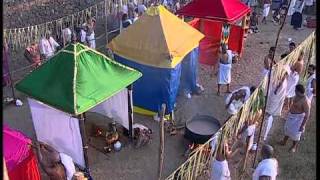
(125, 9)
(48, 47)
(141, 8)
(140, 126)
(235, 105)
(249, 132)
(66, 32)
(83, 35)
(267, 167)
(309, 88)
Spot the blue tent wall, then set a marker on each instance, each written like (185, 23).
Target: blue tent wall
(156, 86)
(189, 72)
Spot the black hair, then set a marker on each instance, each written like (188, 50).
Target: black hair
(136, 10)
(124, 17)
(267, 151)
(252, 88)
(272, 49)
(284, 55)
(292, 44)
(300, 88)
(312, 66)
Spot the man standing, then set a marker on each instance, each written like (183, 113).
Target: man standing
(224, 73)
(266, 10)
(276, 97)
(48, 46)
(32, 53)
(297, 118)
(268, 61)
(311, 83)
(268, 167)
(293, 78)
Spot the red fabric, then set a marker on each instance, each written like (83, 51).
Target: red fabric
(220, 10)
(209, 45)
(26, 170)
(236, 40)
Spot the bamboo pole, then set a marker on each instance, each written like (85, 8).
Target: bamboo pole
(106, 19)
(268, 85)
(130, 111)
(161, 150)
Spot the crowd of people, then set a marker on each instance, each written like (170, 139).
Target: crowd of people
(284, 91)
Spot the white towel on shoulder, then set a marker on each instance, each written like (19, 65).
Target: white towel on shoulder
(293, 80)
(68, 165)
(267, 167)
(292, 126)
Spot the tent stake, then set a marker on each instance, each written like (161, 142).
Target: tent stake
(161, 152)
(84, 140)
(130, 112)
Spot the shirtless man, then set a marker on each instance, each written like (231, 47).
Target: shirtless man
(50, 162)
(297, 118)
(220, 169)
(224, 72)
(293, 79)
(267, 61)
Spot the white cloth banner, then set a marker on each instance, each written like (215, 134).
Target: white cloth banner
(115, 108)
(58, 129)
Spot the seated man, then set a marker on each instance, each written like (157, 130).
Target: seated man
(142, 134)
(268, 167)
(48, 46)
(237, 98)
(58, 166)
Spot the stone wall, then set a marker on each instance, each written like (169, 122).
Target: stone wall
(22, 13)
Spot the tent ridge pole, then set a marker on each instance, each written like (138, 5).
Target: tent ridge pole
(130, 111)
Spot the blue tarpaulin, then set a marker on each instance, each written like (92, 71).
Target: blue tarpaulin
(161, 85)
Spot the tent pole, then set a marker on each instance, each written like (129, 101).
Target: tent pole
(130, 111)
(268, 87)
(84, 140)
(161, 150)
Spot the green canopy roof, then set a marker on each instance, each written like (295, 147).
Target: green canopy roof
(76, 79)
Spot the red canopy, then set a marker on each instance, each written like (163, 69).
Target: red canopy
(220, 10)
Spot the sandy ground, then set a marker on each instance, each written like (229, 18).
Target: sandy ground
(131, 163)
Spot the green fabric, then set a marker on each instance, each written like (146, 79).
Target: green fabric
(96, 79)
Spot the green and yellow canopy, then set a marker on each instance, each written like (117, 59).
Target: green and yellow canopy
(76, 79)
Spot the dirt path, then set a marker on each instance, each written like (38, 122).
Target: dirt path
(142, 163)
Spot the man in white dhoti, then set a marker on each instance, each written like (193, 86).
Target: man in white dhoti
(276, 97)
(48, 46)
(311, 83)
(268, 167)
(219, 167)
(224, 73)
(90, 33)
(268, 61)
(266, 10)
(294, 77)
(237, 98)
(297, 118)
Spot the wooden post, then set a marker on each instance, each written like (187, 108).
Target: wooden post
(130, 111)
(161, 150)
(84, 140)
(106, 16)
(268, 87)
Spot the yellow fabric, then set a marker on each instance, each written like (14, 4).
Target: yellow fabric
(146, 112)
(158, 38)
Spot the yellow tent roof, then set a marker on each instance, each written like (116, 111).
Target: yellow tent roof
(158, 38)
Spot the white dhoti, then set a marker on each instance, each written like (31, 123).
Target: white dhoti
(293, 80)
(265, 72)
(292, 126)
(224, 74)
(276, 101)
(91, 41)
(266, 10)
(309, 89)
(267, 126)
(220, 170)
(68, 165)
